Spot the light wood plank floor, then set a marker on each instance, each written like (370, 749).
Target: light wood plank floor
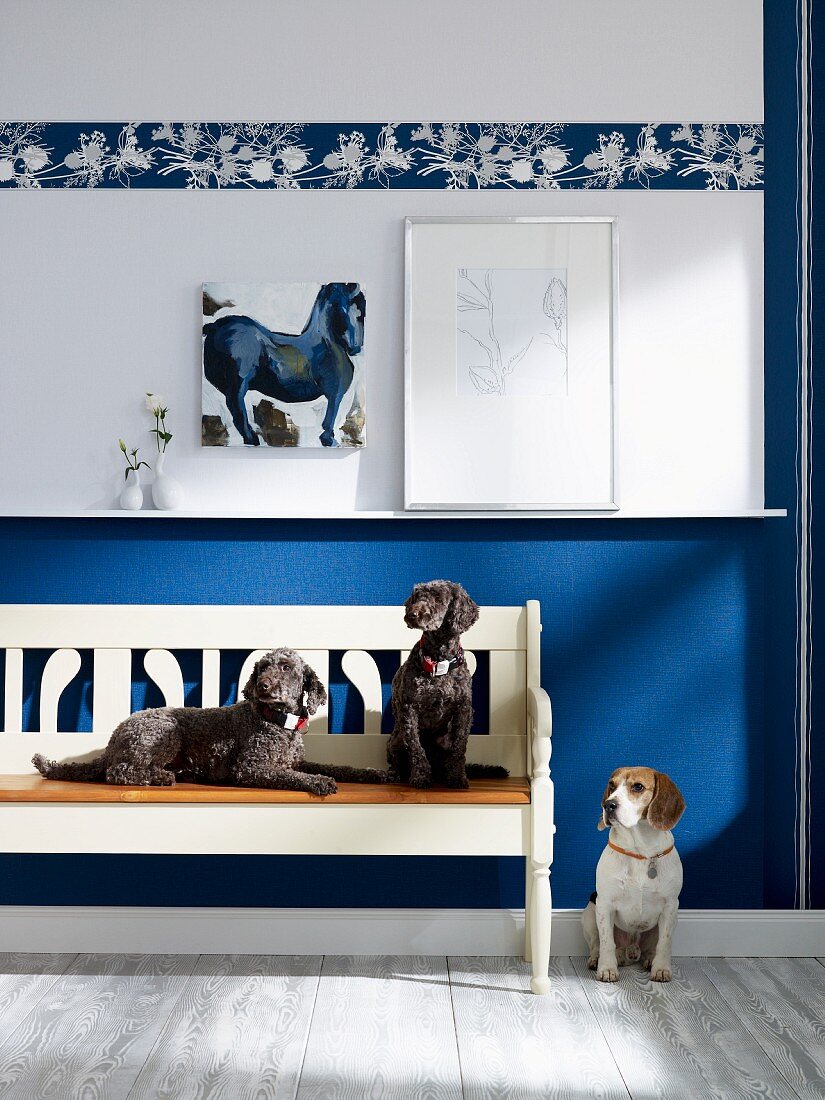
(261, 1027)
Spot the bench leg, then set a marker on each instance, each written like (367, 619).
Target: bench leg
(528, 897)
(541, 916)
(541, 856)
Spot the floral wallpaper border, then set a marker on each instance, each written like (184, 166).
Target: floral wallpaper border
(436, 156)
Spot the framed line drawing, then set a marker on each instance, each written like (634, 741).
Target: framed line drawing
(510, 331)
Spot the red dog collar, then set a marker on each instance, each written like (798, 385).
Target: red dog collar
(283, 718)
(439, 668)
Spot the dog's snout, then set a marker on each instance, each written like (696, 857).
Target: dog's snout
(610, 805)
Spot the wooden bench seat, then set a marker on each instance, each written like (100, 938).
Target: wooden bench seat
(513, 817)
(482, 792)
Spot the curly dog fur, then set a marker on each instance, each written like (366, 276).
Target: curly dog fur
(433, 714)
(241, 745)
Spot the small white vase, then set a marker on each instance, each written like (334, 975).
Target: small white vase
(167, 491)
(131, 495)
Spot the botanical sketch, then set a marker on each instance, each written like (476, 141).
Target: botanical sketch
(511, 332)
(283, 365)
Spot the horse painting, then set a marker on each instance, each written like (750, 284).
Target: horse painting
(242, 355)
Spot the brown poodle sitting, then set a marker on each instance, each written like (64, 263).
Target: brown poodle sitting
(258, 742)
(431, 693)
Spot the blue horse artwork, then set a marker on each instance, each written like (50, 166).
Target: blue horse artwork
(282, 365)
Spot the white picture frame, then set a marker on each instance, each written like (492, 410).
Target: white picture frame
(509, 361)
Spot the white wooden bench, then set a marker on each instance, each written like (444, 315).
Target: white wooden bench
(500, 818)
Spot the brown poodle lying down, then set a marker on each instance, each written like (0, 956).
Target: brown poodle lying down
(255, 743)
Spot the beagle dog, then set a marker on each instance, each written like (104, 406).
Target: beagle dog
(632, 913)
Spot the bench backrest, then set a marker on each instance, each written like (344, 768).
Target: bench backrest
(509, 634)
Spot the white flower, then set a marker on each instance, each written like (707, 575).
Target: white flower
(521, 171)
(34, 158)
(225, 142)
(293, 159)
(155, 402)
(261, 170)
(73, 160)
(593, 161)
(6, 170)
(553, 159)
(486, 143)
(333, 161)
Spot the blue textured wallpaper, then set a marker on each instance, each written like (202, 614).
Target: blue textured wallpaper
(652, 653)
(817, 337)
(669, 642)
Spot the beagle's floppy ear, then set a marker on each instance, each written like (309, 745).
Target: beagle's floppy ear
(667, 805)
(316, 693)
(602, 823)
(249, 690)
(463, 610)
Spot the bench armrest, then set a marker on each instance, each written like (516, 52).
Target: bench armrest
(539, 724)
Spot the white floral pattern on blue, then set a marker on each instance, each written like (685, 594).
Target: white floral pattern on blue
(451, 156)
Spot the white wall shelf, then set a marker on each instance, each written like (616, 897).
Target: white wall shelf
(149, 513)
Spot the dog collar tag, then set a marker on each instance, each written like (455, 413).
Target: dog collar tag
(439, 668)
(284, 719)
(652, 870)
(294, 722)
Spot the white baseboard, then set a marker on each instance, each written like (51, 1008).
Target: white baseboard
(731, 932)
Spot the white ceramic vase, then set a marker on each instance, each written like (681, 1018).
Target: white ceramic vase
(131, 495)
(167, 491)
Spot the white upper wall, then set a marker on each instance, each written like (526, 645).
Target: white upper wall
(381, 60)
(99, 290)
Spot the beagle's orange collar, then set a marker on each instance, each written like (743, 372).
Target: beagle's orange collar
(635, 855)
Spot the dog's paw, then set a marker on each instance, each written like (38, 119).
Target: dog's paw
(323, 785)
(457, 782)
(632, 953)
(660, 973)
(592, 962)
(607, 974)
(647, 962)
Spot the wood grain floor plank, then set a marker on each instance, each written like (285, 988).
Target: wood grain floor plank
(680, 1039)
(383, 1029)
(515, 1046)
(90, 1033)
(25, 978)
(782, 1003)
(237, 1032)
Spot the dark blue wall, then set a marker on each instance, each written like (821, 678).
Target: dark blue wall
(652, 652)
(668, 642)
(817, 746)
